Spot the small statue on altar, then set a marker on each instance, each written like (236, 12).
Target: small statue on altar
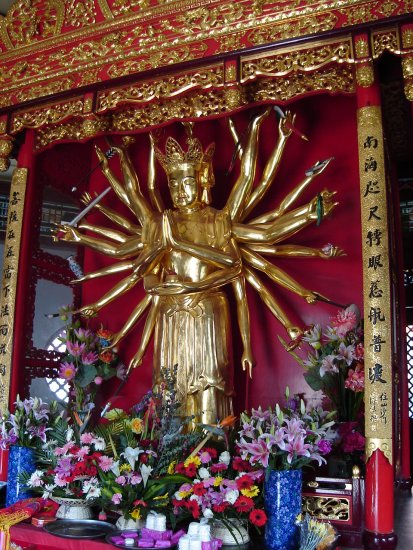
(186, 255)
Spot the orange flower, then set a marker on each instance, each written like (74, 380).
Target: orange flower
(106, 356)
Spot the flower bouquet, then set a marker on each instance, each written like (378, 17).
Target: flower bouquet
(220, 486)
(135, 475)
(335, 365)
(283, 441)
(29, 424)
(87, 363)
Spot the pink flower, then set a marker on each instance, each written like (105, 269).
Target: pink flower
(105, 463)
(88, 358)
(67, 371)
(135, 479)
(346, 320)
(98, 380)
(205, 457)
(121, 480)
(359, 352)
(346, 353)
(82, 452)
(297, 448)
(328, 365)
(87, 438)
(116, 498)
(75, 348)
(353, 441)
(355, 379)
(258, 450)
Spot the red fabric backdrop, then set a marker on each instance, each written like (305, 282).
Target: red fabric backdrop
(330, 124)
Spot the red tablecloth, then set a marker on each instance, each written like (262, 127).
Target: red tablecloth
(36, 538)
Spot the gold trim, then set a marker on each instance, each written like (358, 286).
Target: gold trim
(385, 40)
(361, 47)
(407, 38)
(50, 114)
(105, 9)
(330, 508)
(203, 103)
(407, 66)
(376, 278)
(309, 57)
(9, 279)
(384, 445)
(365, 75)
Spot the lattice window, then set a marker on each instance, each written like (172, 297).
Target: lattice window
(58, 386)
(409, 339)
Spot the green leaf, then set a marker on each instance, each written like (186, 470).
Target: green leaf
(86, 375)
(314, 380)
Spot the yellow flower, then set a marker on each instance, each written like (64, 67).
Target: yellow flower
(171, 467)
(136, 513)
(184, 494)
(125, 468)
(253, 491)
(218, 481)
(192, 460)
(136, 425)
(161, 497)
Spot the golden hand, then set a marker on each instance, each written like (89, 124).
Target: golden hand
(87, 198)
(66, 232)
(168, 229)
(87, 311)
(102, 157)
(330, 251)
(327, 202)
(248, 362)
(285, 124)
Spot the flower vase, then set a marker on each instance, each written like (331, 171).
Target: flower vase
(282, 499)
(231, 531)
(21, 459)
(73, 508)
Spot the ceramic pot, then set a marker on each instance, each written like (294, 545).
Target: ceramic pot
(282, 499)
(21, 459)
(73, 508)
(231, 531)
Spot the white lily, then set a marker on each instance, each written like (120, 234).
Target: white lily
(145, 472)
(131, 455)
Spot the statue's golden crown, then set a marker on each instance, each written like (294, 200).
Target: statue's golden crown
(175, 156)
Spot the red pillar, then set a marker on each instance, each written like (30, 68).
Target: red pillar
(379, 500)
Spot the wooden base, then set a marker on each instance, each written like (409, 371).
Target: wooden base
(379, 541)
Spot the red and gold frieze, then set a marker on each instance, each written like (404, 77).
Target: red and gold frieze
(55, 45)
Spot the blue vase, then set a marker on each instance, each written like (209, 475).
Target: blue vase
(21, 459)
(282, 499)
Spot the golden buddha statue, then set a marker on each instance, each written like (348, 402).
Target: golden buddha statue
(186, 255)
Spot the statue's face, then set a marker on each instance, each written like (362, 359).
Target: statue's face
(184, 186)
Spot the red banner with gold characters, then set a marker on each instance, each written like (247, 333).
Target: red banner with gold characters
(376, 283)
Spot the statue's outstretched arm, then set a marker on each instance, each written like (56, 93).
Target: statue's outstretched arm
(113, 180)
(113, 216)
(108, 270)
(146, 335)
(154, 195)
(210, 254)
(218, 278)
(124, 250)
(272, 165)
(272, 304)
(242, 187)
(247, 360)
(277, 275)
(138, 203)
(298, 251)
(317, 209)
(120, 288)
(136, 314)
(116, 236)
(292, 197)
(235, 136)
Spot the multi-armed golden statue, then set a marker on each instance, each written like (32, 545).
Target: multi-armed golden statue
(186, 255)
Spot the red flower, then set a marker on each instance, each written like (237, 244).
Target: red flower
(213, 452)
(218, 467)
(193, 507)
(178, 503)
(106, 356)
(199, 489)
(244, 504)
(258, 517)
(240, 465)
(140, 503)
(190, 470)
(219, 508)
(180, 468)
(244, 482)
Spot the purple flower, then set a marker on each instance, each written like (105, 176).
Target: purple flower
(346, 353)
(75, 348)
(259, 414)
(297, 447)
(67, 370)
(83, 334)
(64, 467)
(324, 446)
(88, 358)
(258, 450)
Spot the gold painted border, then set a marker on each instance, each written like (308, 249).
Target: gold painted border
(9, 280)
(376, 279)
